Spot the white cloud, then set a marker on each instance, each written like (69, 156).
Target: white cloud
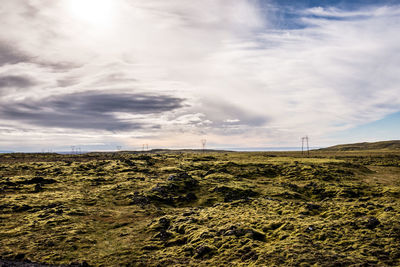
(240, 76)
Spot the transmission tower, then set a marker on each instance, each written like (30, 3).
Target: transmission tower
(145, 147)
(203, 144)
(305, 149)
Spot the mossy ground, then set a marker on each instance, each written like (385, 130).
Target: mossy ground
(195, 209)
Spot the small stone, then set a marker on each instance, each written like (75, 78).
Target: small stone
(310, 229)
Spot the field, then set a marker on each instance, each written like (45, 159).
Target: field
(201, 209)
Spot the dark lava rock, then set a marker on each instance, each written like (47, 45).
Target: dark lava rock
(28, 263)
(168, 200)
(164, 223)
(184, 179)
(177, 189)
(250, 256)
(255, 235)
(231, 194)
(174, 177)
(288, 195)
(233, 230)
(59, 211)
(38, 188)
(389, 209)
(7, 182)
(272, 226)
(230, 232)
(38, 180)
(79, 264)
(98, 181)
(203, 250)
(128, 162)
(138, 199)
(271, 171)
(150, 247)
(359, 214)
(351, 193)
(293, 187)
(372, 222)
(188, 213)
(163, 235)
(188, 197)
(162, 189)
(21, 208)
(206, 235)
(177, 242)
(180, 229)
(317, 191)
(76, 213)
(162, 226)
(144, 157)
(247, 254)
(238, 232)
(313, 207)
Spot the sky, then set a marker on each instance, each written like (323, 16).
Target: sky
(99, 74)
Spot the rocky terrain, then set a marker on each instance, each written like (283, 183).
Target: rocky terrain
(200, 209)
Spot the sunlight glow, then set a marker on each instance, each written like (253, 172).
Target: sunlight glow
(98, 13)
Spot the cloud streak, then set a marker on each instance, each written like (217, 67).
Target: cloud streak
(13, 81)
(88, 110)
(9, 55)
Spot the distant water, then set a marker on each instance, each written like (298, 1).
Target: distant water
(268, 149)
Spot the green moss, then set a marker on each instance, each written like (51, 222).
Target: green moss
(211, 209)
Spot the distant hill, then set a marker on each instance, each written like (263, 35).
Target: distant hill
(182, 151)
(383, 145)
